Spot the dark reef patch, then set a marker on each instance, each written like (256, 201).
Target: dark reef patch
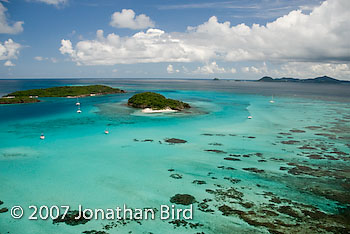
(253, 169)
(329, 136)
(200, 182)
(315, 156)
(288, 211)
(70, 219)
(204, 207)
(247, 205)
(3, 210)
(226, 194)
(232, 180)
(284, 168)
(175, 141)
(226, 210)
(147, 140)
(123, 222)
(307, 147)
(313, 127)
(232, 159)
(226, 168)
(176, 176)
(290, 142)
(183, 199)
(216, 151)
(285, 133)
(184, 223)
(95, 232)
(297, 131)
(215, 144)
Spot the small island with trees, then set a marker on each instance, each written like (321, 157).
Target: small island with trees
(32, 95)
(154, 102)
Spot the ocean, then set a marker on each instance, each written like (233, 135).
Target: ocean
(285, 170)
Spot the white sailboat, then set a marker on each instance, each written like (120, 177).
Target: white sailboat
(272, 101)
(106, 131)
(42, 136)
(79, 111)
(250, 117)
(77, 103)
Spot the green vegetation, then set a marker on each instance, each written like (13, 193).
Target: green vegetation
(155, 101)
(31, 95)
(65, 91)
(18, 100)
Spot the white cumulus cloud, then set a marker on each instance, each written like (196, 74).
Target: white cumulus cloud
(5, 27)
(128, 19)
(9, 50)
(170, 69)
(8, 63)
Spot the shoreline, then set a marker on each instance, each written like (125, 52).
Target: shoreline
(150, 110)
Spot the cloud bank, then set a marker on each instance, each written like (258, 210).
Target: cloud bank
(321, 36)
(5, 27)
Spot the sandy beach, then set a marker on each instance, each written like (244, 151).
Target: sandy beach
(150, 110)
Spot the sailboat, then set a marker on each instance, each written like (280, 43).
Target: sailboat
(42, 136)
(79, 111)
(77, 103)
(106, 131)
(250, 117)
(272, 101)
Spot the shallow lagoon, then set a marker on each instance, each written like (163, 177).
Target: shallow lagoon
(285, 170)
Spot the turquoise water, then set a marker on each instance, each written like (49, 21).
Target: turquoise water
(78, 164)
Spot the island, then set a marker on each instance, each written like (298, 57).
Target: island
(32, 95)
(322, 80)
(154, 102)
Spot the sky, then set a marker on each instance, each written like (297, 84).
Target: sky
(237, 39)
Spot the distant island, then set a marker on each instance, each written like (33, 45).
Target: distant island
(322, 80)
(154, 102)
(32, 95)
(216, 78)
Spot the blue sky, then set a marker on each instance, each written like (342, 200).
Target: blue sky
(174, 39)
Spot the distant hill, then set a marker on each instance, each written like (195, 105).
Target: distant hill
(322, 80)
